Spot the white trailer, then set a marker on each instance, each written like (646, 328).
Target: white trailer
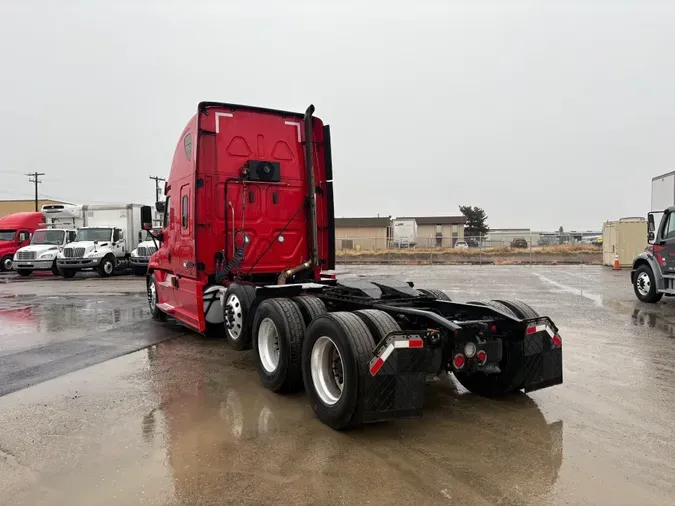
(108, 235)
(405, 233)
(663, 191)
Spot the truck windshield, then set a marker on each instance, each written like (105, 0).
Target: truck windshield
(94, 234)
(7, 235)
(48, 237)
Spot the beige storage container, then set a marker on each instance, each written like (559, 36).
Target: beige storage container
(626, 237)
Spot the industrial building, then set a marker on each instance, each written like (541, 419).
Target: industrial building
(438, 231)
(24, 205)
(498, 237)
(362, 233)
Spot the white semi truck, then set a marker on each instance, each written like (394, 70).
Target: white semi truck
(61, 221)
(108, 235)
(141, 255)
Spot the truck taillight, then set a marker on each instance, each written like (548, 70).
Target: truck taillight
(481, 356)
(458, 361)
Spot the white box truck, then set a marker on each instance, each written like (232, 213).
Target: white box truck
(405, 233)
(108, 235)
(663, 192)
(61, 221)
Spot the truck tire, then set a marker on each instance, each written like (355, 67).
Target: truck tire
(278, 330)
(6, 263)
(335, 355)
(511, 376)
(55, 269)
(238, 300)
(24, 272)
(519, 308)
(378, 322)
(107, 266)
(155, 312)
(645, 285)
(67, 273)
(436, 294)
(310, 306)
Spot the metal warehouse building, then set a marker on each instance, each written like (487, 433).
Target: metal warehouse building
(438, 231)
(22, 206)
(362, 233)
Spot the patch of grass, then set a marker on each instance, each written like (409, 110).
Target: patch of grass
(559, 249)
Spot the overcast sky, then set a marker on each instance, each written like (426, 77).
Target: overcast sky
(543, 114)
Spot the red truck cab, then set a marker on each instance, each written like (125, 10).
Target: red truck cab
(15, 232)
(239, 206)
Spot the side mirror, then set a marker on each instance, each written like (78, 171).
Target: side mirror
(651, 237)
(160, 207)
(146, 217)
(157, 234)
(140, 236)
(650, 222)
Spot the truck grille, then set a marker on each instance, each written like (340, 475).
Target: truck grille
(25, 255)
(146, 252)
(73, 252)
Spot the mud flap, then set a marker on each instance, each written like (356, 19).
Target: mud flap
(396, 383)
(542, 348)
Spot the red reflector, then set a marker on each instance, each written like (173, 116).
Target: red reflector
(481, 356)
(376, 366)
(531, 330)
(557, 340)
(458, 361)
(494, 328)
(415, 343)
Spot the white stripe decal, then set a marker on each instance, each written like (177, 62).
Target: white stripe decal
(218, 116)
(388, 351)
(297, 125)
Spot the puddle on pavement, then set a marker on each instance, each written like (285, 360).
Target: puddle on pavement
(654, 320)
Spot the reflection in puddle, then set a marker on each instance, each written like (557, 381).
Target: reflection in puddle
(645, 318)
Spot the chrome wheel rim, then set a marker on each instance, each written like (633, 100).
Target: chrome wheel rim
(234, 318)
(644, 284)
(152, 296)
(268, 345)
(327, 370)
(7, 264)
(108, 267)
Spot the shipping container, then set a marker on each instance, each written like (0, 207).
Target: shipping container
(626, 238)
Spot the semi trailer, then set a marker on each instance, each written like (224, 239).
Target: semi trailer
(246, 251)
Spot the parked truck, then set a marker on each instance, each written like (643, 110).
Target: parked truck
(104, 241)
(405, 233)
(246, 250)
(60, 221)
(15, 232)
(140, 256)
(663, 192)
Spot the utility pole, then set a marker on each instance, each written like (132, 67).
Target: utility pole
(35, 180)
(157, 190)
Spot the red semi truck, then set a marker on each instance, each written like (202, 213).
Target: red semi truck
(15, 232)
(247, 237)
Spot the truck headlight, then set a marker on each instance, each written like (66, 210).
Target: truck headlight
(134, 253)
(97, 254)
(48, 256)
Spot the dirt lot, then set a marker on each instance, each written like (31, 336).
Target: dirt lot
(101, 406)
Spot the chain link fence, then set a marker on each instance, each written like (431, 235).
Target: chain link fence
(524, 248)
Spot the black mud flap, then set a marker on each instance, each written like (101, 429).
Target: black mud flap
(543, 355)
(396, 380)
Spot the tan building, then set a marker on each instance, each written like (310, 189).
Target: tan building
(438, 231)
(362, 233)
(22, 206)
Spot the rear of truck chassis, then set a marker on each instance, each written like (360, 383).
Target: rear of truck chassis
(363, 349)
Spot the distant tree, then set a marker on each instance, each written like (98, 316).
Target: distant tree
(475, 221)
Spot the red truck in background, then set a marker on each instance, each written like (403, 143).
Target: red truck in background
(248, 233)
(15, 232)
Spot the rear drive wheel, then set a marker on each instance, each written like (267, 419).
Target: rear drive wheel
(55, 269)
(67, 273)
(153, 300)
(24, 272)
(278, 331)
(511, 376)
(107, 267)
(645, 285)
(238, 300)
(310, 306)
(6, 263)
(335, 356)
(434, 293)
(379, 323)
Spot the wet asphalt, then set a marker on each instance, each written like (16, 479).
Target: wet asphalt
(100, 405)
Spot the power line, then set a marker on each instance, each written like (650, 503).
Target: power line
(157, 190)
(35, 180)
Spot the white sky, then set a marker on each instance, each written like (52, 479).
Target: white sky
(543, 113)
